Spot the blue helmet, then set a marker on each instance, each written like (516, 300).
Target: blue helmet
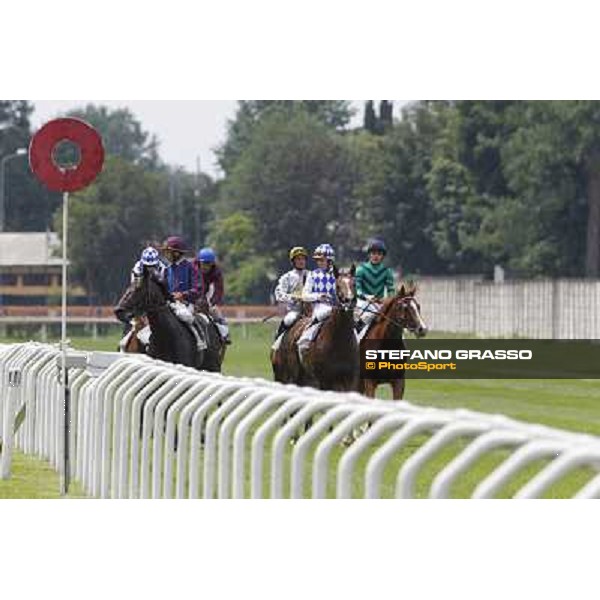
(207, 255)
(325, 250)
(150, 256)
(376, 244)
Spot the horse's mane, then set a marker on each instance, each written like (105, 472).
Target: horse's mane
(160, 283)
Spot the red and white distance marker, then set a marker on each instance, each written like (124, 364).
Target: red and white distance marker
(65, 180)
(44, 143)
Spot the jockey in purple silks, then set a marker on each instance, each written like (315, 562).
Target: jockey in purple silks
(180, 272)
(208, 284)
(179, 277)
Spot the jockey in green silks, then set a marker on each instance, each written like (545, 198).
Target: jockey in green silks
(374, 281)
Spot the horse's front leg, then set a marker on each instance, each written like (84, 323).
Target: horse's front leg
(398, 388)
(368, 387)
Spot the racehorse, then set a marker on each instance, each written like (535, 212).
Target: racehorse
(171, 340)
(285, 361)
(397, 313)
(331, 360)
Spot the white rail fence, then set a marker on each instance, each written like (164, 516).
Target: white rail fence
(146, 429)
(559, 308)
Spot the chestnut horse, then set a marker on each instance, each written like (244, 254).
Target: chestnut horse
(397, 313)
(331, 361)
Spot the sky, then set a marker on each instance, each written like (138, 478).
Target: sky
(187, 129)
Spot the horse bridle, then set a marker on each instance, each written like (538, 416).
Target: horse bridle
(149, 305)
(346, 303)
(406, 300)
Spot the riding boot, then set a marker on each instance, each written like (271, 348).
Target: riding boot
(280, 330)
(199, 336)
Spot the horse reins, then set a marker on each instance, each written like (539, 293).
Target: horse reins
(384, 316)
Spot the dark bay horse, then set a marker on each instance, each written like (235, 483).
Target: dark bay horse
(171, 340)
(215, 353)
(331, 361)
(397, 313)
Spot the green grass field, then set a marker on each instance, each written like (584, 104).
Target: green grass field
(566, 404)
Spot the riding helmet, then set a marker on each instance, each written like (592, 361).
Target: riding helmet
(175, 243)
(150, 256)
(377, 245)
(324, 250)
(206, 255)
(298, 251)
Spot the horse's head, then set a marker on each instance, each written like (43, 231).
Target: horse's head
(146, 292)
(406, 310)
(345, 288)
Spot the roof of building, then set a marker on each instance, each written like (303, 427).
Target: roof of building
(20, 249)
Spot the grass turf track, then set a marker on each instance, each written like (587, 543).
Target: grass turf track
(566, 404)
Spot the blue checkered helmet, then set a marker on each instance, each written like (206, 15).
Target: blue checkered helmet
(150, 257)
(325, 250)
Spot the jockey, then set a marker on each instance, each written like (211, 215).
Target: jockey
(319, 289)
(289, 291)
(373, 282)
(149, 261)
(179, 273)
(208, 284)
(179, 278)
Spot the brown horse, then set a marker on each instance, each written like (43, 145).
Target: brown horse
(397, 313)
(331, 361)
(285, 361)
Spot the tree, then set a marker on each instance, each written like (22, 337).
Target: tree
(370, 118)
(334, 114)
(122, 134)
(472, 201)
(552, 163)
(190, 199)
(394, 201)
(386, 115)
(110, 222)
(28, 204)
(294, 180)
(249, 275)
(378, 125)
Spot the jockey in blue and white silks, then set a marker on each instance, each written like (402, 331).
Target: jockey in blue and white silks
(149, 261)
(320, 290)
(289, 291)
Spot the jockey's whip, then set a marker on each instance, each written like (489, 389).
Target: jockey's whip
(265, 319)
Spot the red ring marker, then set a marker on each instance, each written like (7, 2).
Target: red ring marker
(45, 141)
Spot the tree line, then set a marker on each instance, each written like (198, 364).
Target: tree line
(453, 187)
